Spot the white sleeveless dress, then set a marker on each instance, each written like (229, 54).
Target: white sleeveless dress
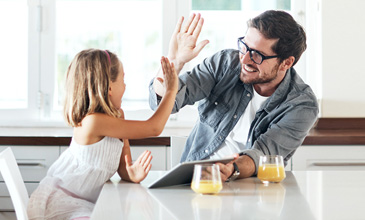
(73, 183)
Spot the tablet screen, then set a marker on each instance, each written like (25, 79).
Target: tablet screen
(183, 173)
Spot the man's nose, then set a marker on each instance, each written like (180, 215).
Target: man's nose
(246, 59)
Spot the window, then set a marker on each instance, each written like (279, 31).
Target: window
(225, 21)
(14, 57)
(57, 31)
(107, 25)
(44, 36)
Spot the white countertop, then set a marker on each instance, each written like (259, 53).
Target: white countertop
(322, 195)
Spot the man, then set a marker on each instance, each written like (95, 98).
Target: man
(252, 101)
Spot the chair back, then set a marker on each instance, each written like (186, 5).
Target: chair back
(14, 182)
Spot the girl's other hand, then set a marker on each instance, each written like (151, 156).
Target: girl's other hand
(170, 81)
(138, 170)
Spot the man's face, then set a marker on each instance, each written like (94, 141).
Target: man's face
(267, 71)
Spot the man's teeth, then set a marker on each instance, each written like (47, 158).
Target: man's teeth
(249, 69)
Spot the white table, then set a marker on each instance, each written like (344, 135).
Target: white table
(327, 195)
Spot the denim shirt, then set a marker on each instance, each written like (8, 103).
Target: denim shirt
(279, 126)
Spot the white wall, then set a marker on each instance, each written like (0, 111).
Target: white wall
(343, 58)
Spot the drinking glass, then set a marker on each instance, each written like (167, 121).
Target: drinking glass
(271, 169)
(206, 179)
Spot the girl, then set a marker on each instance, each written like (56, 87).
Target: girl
(94, 90)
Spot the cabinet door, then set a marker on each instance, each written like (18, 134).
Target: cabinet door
(289, 165)
(62, 149)
(5, 200)
(159, 155)
(33, 164)
(329, 158)
(34, 161)
(177, 148)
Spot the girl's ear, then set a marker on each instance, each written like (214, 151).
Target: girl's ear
(287, 63)
(110, 91)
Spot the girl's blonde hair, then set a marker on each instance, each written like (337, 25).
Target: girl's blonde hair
(87, 85)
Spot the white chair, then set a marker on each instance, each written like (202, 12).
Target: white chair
(10, 171)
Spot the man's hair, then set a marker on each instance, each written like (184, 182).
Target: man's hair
(282, 26)
(87, 85)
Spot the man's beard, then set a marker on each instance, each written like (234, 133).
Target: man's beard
(265, 78)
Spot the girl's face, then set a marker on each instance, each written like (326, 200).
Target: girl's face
(117, 88)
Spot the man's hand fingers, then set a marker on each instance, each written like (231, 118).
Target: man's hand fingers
(187, 25)
(194, 24)
(225, 171)
(198, 29)
(178, 25)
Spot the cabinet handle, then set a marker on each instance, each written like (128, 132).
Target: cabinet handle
(30, 163)
(319, 164)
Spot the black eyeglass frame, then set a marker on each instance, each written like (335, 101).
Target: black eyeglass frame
(240, 40)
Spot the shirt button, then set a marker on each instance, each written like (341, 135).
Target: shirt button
(248, 94)
(234, 116)
(206, 151)
(215, 103)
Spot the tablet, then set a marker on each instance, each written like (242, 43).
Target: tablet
(183, 173)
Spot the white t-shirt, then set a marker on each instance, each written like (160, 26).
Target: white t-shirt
(236, 139)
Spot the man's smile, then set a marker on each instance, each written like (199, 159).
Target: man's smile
(249, 69)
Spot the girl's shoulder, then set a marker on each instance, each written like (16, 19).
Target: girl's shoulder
(86, 133)
(94, 120)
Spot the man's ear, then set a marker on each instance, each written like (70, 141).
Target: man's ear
(287, 63)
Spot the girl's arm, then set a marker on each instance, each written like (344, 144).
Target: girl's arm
(134, 172)
(100, 125)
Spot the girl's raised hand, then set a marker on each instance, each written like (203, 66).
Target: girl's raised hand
(170, 81)
(138, 170)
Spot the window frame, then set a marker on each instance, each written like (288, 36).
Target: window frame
(14, 117)
(41, 67)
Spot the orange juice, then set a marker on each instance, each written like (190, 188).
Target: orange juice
(206, 186)
(271, 173)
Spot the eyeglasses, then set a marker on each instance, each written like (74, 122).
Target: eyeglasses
(255, 56)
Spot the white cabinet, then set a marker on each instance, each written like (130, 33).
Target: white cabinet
(159, 155)
(323, 157)
(33, 162)
(177, 148)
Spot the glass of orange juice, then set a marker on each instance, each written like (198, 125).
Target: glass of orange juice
(271, 169)
(206, 179)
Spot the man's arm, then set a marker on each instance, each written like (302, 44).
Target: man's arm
(281, 138)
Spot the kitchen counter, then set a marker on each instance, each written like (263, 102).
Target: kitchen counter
(327, 131)
(303, 195)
